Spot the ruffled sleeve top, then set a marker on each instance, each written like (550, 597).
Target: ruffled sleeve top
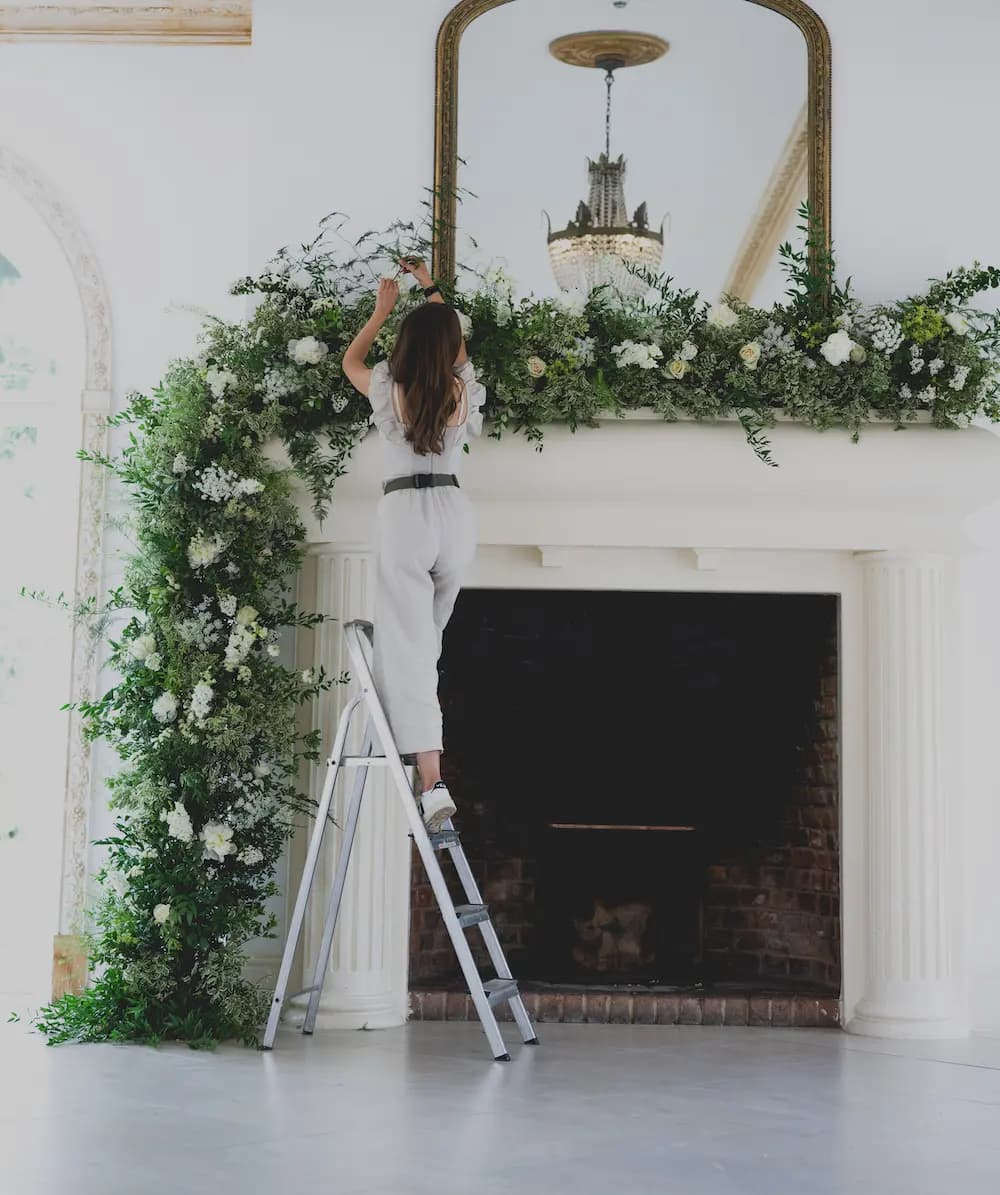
(398, 457)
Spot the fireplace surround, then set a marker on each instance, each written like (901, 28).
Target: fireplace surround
(646, 507)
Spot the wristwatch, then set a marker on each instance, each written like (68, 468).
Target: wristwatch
(433, 289)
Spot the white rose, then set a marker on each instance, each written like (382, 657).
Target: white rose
(218, 840)
(859, 354)
(246, 615)
(721, 315)
(536, 366)
(837, 348)
(750, 354)
(141, 647)
(678, 368)
(307, 351)
(957, 322)
(573, 301)
(688, 351)
(465, 324)
(301, 279)
(154, 661)
(203, 550)
(161, 914)
(165, 707)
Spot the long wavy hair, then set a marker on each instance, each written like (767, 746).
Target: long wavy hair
(423, 363)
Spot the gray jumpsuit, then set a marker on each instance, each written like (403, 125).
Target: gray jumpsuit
(425, 541)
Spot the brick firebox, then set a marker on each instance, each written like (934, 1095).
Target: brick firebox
(747, 929)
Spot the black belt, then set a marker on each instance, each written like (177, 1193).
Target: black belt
(419, 481)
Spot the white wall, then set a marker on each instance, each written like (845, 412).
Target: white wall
(149, 145)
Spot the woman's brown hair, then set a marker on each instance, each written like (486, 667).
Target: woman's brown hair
(423, 363)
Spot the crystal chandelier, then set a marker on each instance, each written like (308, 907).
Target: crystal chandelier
(600, 245)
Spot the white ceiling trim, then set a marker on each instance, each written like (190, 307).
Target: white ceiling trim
(785, 190)
(172, 24)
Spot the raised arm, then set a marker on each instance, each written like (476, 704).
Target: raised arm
(359, 348)
(423, 279)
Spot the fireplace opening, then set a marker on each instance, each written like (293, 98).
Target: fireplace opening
(648, 789)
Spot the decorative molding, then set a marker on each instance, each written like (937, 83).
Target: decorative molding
(784, 191)
(446, 147)
(173, 24)
(595, 47)
(95, 405)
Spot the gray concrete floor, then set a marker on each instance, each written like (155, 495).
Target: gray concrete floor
(594, 1109)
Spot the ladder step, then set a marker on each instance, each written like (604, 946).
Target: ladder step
(363, 761)
(444, 839)
(499, 990)
(471, 914)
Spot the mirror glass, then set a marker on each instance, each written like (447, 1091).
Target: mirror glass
(707, 113)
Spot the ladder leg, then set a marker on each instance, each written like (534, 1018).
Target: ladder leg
(459, 941)
(492, 943)
(308, 875)
(337, 892)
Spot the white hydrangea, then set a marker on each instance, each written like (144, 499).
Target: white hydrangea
(308, 676)
(776, 342)
(154, 661)
(279, 382)
(241, 640)
(246, 486)
(916, 363)
(631, 352)
(688, 351)
(219, 380)
(928, 396)
(227, 604)
(959, 377)
(243, 673)
(200, 704)
(204, 550)
(905, 393)
(178, 822)
(583, 350)
(161, 914)
(180, 465)
(250, 855)
(307, 351)
(165, 707)
(886, 333)
(218, 842)
(273, 650)
(934, 367)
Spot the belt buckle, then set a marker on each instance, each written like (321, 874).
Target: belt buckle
(423, 481)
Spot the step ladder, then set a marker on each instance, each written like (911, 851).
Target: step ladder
(379, 750)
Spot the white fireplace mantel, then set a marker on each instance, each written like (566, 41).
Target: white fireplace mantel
(639, 503)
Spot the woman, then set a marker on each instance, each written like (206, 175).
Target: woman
(426, 403)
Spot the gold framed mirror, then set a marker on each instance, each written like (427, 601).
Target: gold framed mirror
(791, 129)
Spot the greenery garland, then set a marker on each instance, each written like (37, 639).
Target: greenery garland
(203, 712)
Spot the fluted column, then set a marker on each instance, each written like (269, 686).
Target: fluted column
(366, 985)
(911, 990)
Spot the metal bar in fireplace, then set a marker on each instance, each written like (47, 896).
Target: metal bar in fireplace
(591, 826)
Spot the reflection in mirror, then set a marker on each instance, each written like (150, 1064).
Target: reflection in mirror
(664, 133)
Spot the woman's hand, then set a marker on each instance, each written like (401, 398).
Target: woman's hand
(419, 270)
(386, 299)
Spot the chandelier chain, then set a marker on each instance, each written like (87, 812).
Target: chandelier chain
(609, 79)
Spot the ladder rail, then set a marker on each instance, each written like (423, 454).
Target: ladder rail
(308, 872)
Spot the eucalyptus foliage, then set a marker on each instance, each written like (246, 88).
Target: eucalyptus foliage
(202, 710)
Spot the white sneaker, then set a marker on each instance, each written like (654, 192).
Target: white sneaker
(437, 807)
